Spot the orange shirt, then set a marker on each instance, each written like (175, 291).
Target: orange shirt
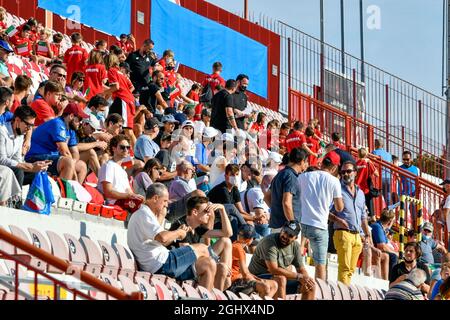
(238, 254)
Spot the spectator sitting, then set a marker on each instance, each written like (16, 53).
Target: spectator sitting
(5, 50)
(241, 278)
(181, 185)
(409, 288)
(11, 144)
(273, 164)
(9, 187)
(273, 258)
(147, 241)
(149, 175)
(169, 123)
(284, 198)
(167, 157)
(76, 57)
(319, 189)
(127, 43)
(428, 244)
(98, 106)
(201, 150)
(444, 291)
(48, 108)
(200, 219)
(3, 25)
(145, 147)
(96, 75)
(154, 95)
(5, 104)
(57, 74)
(379, 236)
(410, 262)
(259, 126)
(43, 47)
(22, 43)
(113, 179)
(221, 160)
(113, 125)
(74, 90)
(284, 132)
(22, 86)
(56, 45)
(55, 140)
(445, 207)
(444, 273)
(336, 138)
(203, 123)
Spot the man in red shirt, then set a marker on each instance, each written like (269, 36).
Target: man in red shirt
(47, 108)
(127, 43)
(76, 57)
(366, 170)
(284, 132)
(22, 43)
(215, 81)
(336, 137)
(311, 146)
(56, 44)
(296, 138)
(33, 24)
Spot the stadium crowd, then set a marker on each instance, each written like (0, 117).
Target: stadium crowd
(204, 179)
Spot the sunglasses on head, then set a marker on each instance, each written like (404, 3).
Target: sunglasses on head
(122, 147)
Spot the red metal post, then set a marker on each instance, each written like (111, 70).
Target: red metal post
(35, 286)
(370, 137)
(348, 130)
(403, 139)
(289, 63)
(387, 118)
(16, 281)
(354, 106)
(420, 137)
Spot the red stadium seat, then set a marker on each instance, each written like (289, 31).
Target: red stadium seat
(110, 260)
(59, 249)
(34, 262)
(126, 261)
(190, 291)
(147, 289)
(77, 255)
(94, 256)
(162, 292)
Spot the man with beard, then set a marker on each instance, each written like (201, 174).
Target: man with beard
(11, 142)
(141, 61)
(240, 100)
(410, 262)
(349, 224)
(275, 255)
(56, 140)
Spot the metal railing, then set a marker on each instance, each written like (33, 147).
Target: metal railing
(405, 116)
(23, 260)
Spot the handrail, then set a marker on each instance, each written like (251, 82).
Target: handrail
(66, 267)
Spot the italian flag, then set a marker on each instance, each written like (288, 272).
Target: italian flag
(37, 200)
(42, 46)
(22, 48)
(11, 31)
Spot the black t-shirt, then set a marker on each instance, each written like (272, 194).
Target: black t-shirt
(345, 156)
(400, 269)
(240, 103)
(220, 194)
(140, 69)
(191, 238)
(148, 97)
(220, 101)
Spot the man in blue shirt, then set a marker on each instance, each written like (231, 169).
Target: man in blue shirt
(201, 150)
(284, 198)
(145, 147)
(428, 244)
(379, 236)
(6, 102)
(408, 185)
(386, 174)
(349, 224)
(56, 140)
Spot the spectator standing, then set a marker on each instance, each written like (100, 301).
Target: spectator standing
(76, 57)
(273, 258)
(344, 155)
(146, 148)
(367, 174)
(385, 174)
(148, 242)
(408, 289)
(141, 62)
(336, 138)
(311, 146)
(284, 198)
(296, 138)
(408, 184)
(96, 75)
(259, 126)
(127, 43)
(445, 211)
(350, 224)
(318, 191)
(284, 132)
(240, 100)
(214, 80)
(222, 114)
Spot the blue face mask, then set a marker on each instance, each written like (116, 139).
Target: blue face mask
(425, 237)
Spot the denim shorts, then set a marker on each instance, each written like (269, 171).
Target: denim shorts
(53, 168)
(318, 239)
(180, 264)
(292, 286)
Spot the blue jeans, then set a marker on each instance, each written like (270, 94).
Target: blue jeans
(262, 230)
(179, 264)
(318, 239)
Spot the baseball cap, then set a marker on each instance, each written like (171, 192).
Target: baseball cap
(446, 181)
(169, 118)
(227, 137)
(206, 112)
(247, 231)
(151, 123)
(275, 157)
(333, 158)
(75, 109)
(292, 228)
(187, 123)
(166, 137)
(125, 65)
(428, 226)
(93, 122)
(210, 132)
(5, 46)
(123, 35)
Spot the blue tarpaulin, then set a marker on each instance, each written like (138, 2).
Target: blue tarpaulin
(199, 42)
(109, 16)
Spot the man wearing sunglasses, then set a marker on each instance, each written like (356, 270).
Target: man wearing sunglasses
(11, 142)
(349, 224)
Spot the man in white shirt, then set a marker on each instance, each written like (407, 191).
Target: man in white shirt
(148, 240)
(319, 190)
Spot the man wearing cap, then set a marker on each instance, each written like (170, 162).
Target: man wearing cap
(349, 224)
(273, 258)
(318, 191)
(145, 147)
(445, 211)
(127, 43)
(180, 186)
(168, 127)
(428, 244)
(5, 50)
(201, 150)
(56, 140)
(90, 144)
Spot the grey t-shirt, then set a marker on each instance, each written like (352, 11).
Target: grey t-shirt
(269, 250)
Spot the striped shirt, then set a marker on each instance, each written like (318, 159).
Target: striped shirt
(404, 290)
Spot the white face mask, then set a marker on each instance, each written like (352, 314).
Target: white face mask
(234, 181)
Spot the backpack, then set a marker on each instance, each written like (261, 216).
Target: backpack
(207, 94)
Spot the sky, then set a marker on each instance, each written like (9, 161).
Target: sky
(406, 42)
